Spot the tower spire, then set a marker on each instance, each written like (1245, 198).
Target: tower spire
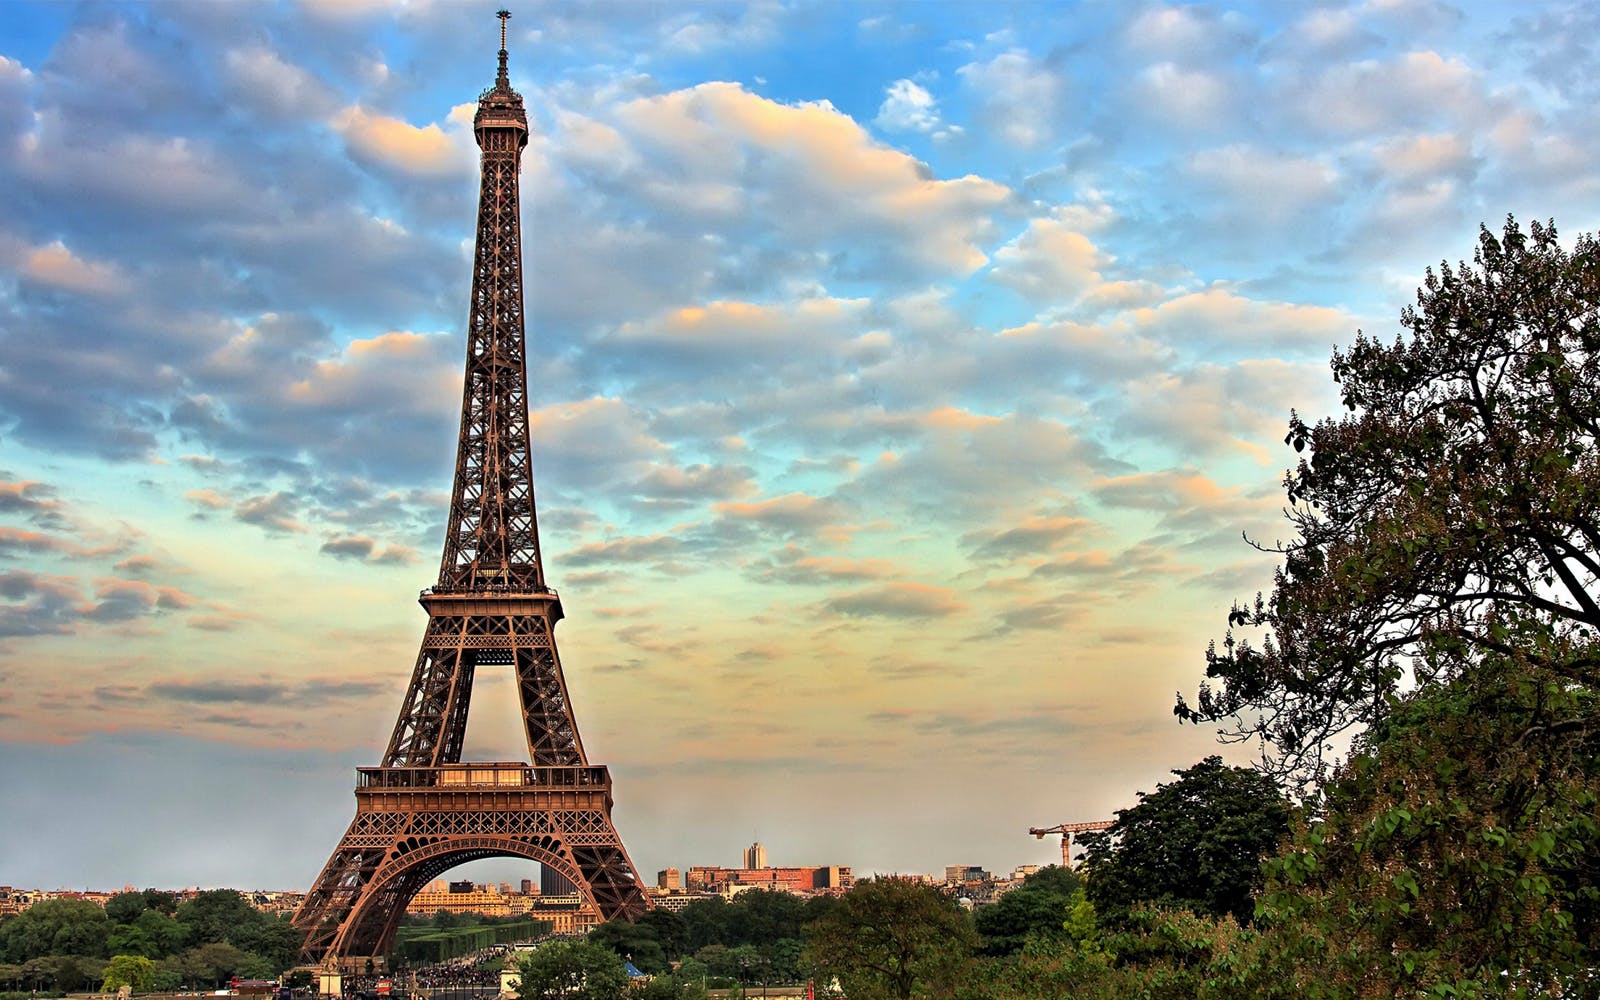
(501, 80)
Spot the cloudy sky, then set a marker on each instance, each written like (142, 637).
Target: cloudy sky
(904, 377)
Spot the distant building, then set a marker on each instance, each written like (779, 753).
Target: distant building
(755, 856)
(669, 878)
(553, 883)
(674, 902)
(527, 887)
(710, 878)
(462, 886)
(966, 873)
(488, 902)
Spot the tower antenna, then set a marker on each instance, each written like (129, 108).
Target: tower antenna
(502, 79)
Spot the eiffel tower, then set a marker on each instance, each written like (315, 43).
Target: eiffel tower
(424, 811)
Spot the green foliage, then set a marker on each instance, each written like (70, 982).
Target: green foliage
(55, 927)
(639, 942)
(1452, 514)
(217, 915)
(420, 943)
(1196, 843)
(1459, 844)
(213, 963)
(571, 970)
(673, 987)
(1036, 907)
(892, 937)
(133, 971)
(769, 922)
(125, 907)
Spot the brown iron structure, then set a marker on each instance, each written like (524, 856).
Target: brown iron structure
(423, 811)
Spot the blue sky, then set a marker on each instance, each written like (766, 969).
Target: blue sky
(904, 378)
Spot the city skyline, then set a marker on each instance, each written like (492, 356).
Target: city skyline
(903, 378)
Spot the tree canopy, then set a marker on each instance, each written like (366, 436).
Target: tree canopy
(891, 937)
(1453, 513)
(570, 970)
(1038, 907)
(1196, 843)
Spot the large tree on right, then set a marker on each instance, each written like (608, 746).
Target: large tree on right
(1438, 604)
(1452, 514)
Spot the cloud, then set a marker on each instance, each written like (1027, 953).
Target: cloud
(908, 107)
(1426, 155)
(898, 600)
(791, 565)
(37, 604)
(208, 499)
(1021, 98)
(1192, 502)
(274, 86)
(58, 267)
(36, 501)
(425, 152)
(1214, 410)
(119, 600)
(642, 549)
(1374, 95)
(1049, 262)
(1031, 537)
(311, 691)
(18, 540)
(363, 549)
(794, 514)
(1276, 186)
(1189, 33)
(1191, 99)
(695, 483)
(274, 512)
(1220, 316)
(812, 178)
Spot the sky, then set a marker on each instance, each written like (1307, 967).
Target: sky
(905, 379)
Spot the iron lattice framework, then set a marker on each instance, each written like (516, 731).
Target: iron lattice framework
(424, 811)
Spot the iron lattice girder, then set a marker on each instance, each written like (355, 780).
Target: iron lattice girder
(414, 823)
(424, 812)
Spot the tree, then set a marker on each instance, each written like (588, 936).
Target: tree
(637, 942)
(571, 970)
(1453, 514)
(213, 963)
(274, 938)
(1037, 907)
(1196, 843)
(218, 915)
(892, 937)
(133, 971)
(125, 907)
(55, 927)
(1460, 844)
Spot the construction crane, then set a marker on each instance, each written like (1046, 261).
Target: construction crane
(1067, 830)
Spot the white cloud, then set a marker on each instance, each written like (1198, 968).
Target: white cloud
(1190, 98)
(1270, 186)
(1220, 316)
(1049, 262)
(1374, 95)
(908, 107)
(269, 82)
(1426, 155)
(1022, 99)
